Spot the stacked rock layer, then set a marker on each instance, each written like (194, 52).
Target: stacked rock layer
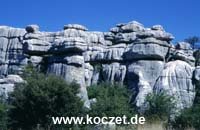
(142, 58)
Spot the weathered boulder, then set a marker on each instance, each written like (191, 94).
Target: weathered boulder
(183, 51)
(133, 26)
(36, 47)
(184, 55)
(74, 33)
(35, 60)
(183, 46)
(158, 27)
(176, 80)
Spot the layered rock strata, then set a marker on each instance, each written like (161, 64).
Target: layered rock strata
(142, 58)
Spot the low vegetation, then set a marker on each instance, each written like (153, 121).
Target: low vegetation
(189, 118)
(3, 114)
(41, 97)
(112, 100)
(160, 106)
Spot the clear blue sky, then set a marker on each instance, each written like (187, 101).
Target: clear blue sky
(179, 17)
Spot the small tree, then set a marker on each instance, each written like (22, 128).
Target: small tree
(160, 106)
(192, 40)
(40, 98)
(189, 118)
(112, 100)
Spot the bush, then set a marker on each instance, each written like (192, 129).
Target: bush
(112, 100)
(189, 118)
(160, 106)
(41, 97)
(3, 116)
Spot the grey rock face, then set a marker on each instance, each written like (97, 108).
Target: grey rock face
(114, 72)
(12, 58)
(176, 80)
(6, 32)
(158, 27)
(111, 53)
(143, 50)
(125, 37)
(151, 70)
(129, 53)
(142, 76)
(183, 52)
(35, 46)
(197, 73)
(161, 35)
(69, 44)
(35, 60)
(132, 27)
(7, 84)
(75, 60)
(88, 73)
(185, 55)
(183, 45)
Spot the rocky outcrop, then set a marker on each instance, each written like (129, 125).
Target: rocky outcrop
(176, 80)
(7, 84)
(129, 54)
(142, 76)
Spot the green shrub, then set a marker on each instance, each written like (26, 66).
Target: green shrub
(189, 118)
(3, 116)
(112, 100)
(159, 107)
(41, 97)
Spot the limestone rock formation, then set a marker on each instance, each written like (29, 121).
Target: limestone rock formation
(176, 80)
(143, 58)
(7, 84)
